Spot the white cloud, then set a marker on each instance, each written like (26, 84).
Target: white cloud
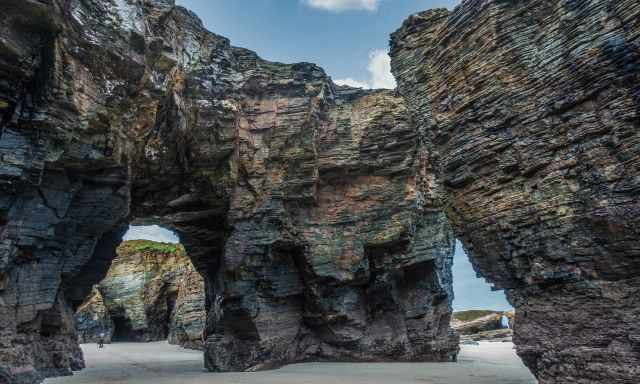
(380, 75)
(343, 5)
(352, 83)
(150, 232)
(380, 69)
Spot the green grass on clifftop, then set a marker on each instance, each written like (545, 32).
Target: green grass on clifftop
(132, 246)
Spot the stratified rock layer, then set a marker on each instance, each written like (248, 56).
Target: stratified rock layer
(92, 319)
(308, 208)
(150, 293)
(188, 320)
(531, 112)
(343, 256)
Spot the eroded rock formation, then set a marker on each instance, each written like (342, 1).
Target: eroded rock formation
(309, 209)
(151, 292)
(188, 321)
(531, 113)
(479, 325)
(92, 319)
(348, 259)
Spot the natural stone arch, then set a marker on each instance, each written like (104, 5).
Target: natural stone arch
(175, 102)
(293, 196)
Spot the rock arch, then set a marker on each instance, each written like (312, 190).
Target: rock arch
(306, 206)
(135, 112)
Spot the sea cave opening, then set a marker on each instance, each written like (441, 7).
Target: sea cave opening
(122, 331)
(480, 313)
(162, 301)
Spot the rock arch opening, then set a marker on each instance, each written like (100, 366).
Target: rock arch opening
(151, 292)
(471, 290)
(480, 313)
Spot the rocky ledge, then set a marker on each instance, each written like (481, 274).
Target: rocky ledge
(150, 293)
(309, 209)
(531, 114)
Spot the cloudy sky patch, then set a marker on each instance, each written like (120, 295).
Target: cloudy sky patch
(379, 70)
(151, 232)
(347, 38)
(343, 5)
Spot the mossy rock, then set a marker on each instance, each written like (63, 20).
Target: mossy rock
(134, 246)
(475, 314)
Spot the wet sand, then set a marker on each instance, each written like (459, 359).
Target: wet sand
(161, 363)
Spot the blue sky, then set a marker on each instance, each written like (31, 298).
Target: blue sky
(345, 37)
(470, 291)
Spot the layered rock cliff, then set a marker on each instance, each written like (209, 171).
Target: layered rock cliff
(531, 113)
(188, 320)
(309, 209)
(151, 292)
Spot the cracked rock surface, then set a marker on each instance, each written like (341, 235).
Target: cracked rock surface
(531, 115)
(310, 210)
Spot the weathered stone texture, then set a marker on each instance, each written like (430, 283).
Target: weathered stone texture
(309, 209)
(343, 260)
(188, 321)
(92, 319)
(151, 292)
(531, 112)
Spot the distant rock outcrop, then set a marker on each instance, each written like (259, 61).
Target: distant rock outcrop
(188, 320)
(477, 325)
(92, 319)
(150, 293)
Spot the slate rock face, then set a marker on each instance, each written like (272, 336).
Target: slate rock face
(150, 293)
(532, 117)
(310, 209)
(188, 321)
(350, 262)
(92, 319)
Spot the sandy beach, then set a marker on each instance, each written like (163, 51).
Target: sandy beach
(161, 363)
